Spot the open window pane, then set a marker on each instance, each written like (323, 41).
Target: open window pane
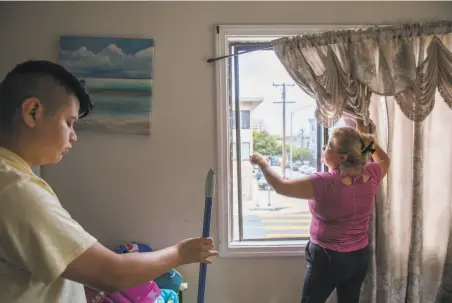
(291, 142)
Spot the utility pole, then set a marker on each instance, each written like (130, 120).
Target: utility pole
(284, 102)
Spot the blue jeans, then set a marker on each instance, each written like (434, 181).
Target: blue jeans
(328, 270)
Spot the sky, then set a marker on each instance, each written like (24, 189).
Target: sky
(258, 71)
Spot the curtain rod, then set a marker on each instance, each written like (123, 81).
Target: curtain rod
(428, 26)
(233, 55)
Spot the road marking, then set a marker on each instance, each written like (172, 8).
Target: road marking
(284, 221)
(273, 236)
(293, 227)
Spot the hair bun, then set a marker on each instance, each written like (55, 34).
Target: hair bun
(367, 143)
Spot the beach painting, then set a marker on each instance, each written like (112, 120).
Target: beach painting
(118, 75)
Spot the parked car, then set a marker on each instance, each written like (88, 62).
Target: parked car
(296, 166)
(303, 169)
(274, 161)
(311, 170)
(307, 170)
(255, 169)
(262, 183)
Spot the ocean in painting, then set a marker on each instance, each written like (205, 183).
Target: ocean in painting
(120, 106)
(118, 75)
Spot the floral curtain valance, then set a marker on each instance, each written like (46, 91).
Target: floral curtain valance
(342, 69)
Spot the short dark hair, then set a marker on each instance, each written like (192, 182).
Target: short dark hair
(26, 79)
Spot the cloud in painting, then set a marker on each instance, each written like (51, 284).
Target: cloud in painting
(110, 62)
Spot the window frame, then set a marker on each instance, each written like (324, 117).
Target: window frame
(227, 247)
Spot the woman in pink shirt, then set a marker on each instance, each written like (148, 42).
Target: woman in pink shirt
(341, 202)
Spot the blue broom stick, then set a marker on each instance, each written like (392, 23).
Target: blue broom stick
(210, 190)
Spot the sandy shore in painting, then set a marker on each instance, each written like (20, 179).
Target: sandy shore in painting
(120, 124)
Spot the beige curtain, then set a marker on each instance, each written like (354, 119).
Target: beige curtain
(342, 69)
(411, 227)
(347, 72)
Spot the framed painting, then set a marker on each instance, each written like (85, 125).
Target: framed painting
(118, 75)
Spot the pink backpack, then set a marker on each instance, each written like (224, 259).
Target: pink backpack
(145, 293)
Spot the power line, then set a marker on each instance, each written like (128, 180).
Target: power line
(284, 102)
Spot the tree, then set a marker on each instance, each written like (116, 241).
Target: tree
(305, 154)
(264, 143)
(302, 154)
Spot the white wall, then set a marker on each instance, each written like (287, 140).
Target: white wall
(120, 187)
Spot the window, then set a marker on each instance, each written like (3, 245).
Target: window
(244, 119)
(276, 119)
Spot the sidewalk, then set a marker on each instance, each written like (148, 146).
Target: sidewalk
(270, 201)
(256, 201)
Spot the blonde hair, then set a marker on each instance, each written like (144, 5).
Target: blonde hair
(355, 145)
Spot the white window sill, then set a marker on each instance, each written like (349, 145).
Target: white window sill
(248, 249)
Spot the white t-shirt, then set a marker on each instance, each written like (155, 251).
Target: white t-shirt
(38, 238)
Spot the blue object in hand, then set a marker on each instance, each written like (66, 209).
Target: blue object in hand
(210, 190)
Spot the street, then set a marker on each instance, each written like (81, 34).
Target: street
(275, 216)
(268, 225)
(268, 215)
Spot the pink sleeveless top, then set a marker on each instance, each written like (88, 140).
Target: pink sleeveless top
(340, 212)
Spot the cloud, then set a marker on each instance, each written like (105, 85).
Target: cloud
(110, 62)
(145, 53)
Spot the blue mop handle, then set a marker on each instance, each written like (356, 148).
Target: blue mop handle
(210, 190)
